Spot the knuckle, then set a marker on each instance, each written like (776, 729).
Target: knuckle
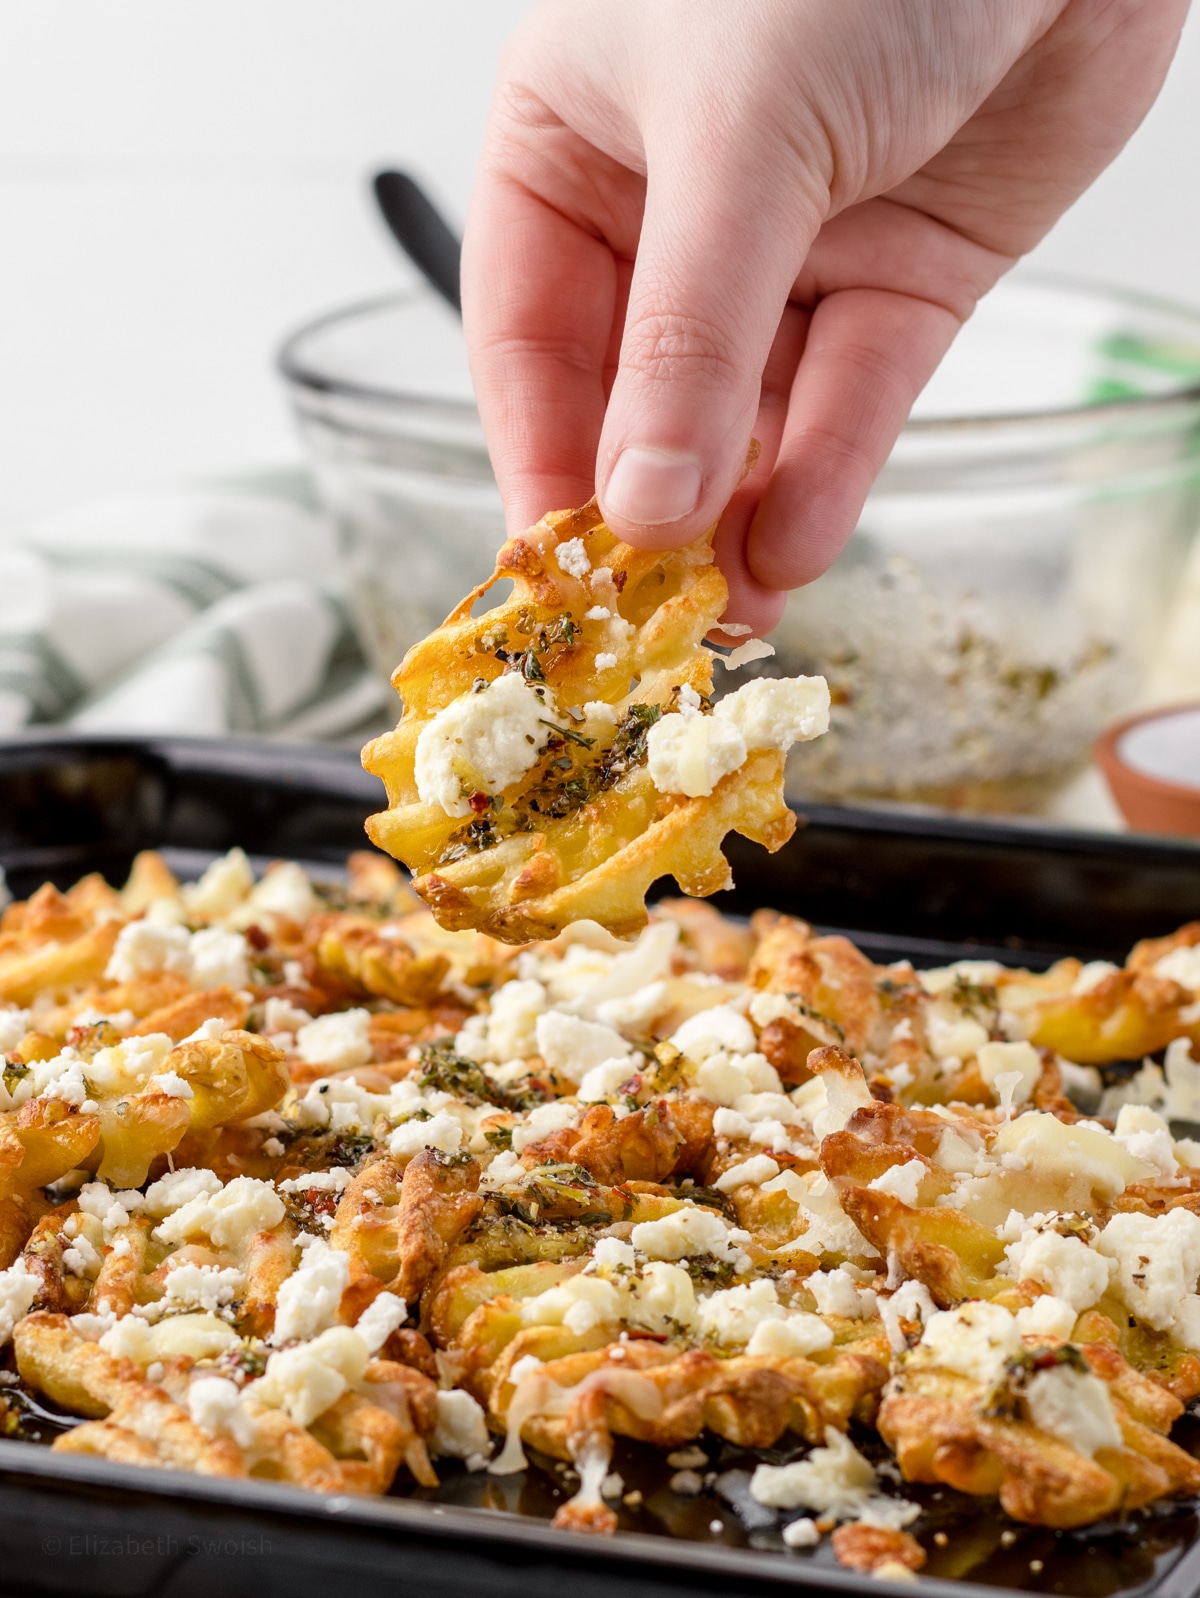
(669, 347)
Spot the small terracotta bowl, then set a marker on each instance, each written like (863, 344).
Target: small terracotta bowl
(1152, 764)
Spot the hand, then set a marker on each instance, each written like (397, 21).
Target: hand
(698, 221)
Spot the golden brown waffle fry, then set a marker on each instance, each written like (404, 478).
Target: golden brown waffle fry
(584, 832)
(351, 950)
(402, 1224)
(943, 1429)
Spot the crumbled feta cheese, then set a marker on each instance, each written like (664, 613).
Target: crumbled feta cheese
(752, 649)
(14, 1024)
(955, 1154)
(307, 1379)
(143, 949)
(285, 891)
(730, 1079)
(599, 721)
(901, 1181)
(504, 1168)
(207, 1031)
(111, 1209)
(222, 887)
(336, 1180)
(605, 660)
(572, 558)
(62, 1078)
(173, 1191)
(800, 1533)
(482, 742)
(767, 1007)
(1000, 1059)
(721, 1029)
(597, 613)
(1181, 965)
(510, 1028)
(340, 1041)
(976, 1339)
(1064, 1266)
(634, 1012)
(82, 1259)
(834, 1480)
(794, 1338)
(281, 1015)
(975, 973)
(953, 1035)
(1157, 1261)
(731, 1123)
(665, 1298)
(757, 1169)
(1182, 1081)
(217, 958)
(170, 1083)
(685, 1232)
(574, 1047)
(579, 1303)
(308, 1301)
(1091, 975)
(540, 1122)
(461, 1430)
(730, 1317)
(204, 1287)
(215, 1405)
(612, 1256)
(1185, 1328)
(379, 1320)
(828, 1230)
(838, 1293)
(18, 1289)
(227, 1216)
(1147, 1137)
(910, 1302)
(691, 754)
(776, 712)
(135, 1057)
(1047, 1316)
(1075, 1407)
(440, 1131)
(602, 1081)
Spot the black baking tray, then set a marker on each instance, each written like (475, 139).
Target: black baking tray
(929, 888)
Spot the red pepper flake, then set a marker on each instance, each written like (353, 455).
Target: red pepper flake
(256, 937)
(479, 803)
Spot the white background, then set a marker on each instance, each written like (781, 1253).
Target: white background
(183, 180)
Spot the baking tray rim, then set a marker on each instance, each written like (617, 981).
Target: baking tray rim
(335, 771)
(446, 1523)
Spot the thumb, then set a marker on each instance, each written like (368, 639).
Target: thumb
(715, 264)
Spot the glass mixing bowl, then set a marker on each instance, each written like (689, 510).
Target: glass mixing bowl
(382, 397)
(999, 602)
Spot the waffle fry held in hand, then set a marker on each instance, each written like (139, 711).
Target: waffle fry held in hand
(560, 752)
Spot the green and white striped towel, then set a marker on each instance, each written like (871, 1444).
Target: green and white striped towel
(201, 611)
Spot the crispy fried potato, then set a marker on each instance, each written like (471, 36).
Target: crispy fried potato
(353, 950)
(402, 1224)
(585, 842)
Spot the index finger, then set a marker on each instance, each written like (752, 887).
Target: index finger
(539, 299)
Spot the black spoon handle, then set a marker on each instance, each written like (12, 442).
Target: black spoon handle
(421, 231)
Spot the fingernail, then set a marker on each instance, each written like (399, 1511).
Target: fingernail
(648, 487)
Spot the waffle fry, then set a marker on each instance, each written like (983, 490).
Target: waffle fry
(572, 822)
(301, 1185)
